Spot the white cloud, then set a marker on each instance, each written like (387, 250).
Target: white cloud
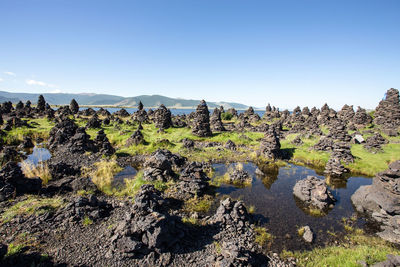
(34, 82)
(10, 73)
(56, 91)
(1, 80)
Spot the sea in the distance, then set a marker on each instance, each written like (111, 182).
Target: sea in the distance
(174, 111)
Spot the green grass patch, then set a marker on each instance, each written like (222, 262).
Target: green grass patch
(199, 204)
(262, 236)
(33, 205)
(86, 221)
(356, 247)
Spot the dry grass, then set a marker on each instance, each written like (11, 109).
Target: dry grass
(41, 170)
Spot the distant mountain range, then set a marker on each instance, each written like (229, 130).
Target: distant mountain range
(113, 100)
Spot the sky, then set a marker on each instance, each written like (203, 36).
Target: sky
(287, 53)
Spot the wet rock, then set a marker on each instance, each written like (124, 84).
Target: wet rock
(334, 168)
(381, 201)
(162, 118)
(192, 182)
(135, 139)
(313, 191)
(387, 113)
(239, 177)
(230, 145)
(270, 145)
(375, 142)
(201, 121)
(93, 123)
(216, 122)
(102, 144)
(308, 235)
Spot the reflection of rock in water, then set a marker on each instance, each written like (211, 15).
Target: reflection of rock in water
(309, 209)
(268, 173)
(336, 182)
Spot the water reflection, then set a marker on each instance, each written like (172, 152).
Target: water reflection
(127, 173)
(38, 155)
(272, 195)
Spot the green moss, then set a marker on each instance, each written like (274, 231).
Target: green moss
(198, 204)
(262, 236)
(86, 221)
(14, 249)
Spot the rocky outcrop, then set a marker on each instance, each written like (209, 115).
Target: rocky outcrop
(381, 202)
(201, 121)
(313, 192)
(240, 177)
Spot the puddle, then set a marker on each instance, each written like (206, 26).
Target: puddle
(127, 173)
(38, 154)
(277, 209)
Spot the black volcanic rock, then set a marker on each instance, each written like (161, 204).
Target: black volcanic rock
(388, 111)
(162, 118)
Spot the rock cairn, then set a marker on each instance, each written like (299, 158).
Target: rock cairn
(162, 118)
(201, 121)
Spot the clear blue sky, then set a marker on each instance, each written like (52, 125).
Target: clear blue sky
(286, 53)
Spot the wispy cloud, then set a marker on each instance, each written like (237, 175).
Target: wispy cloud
(1, 80)
(10, 73)
(34, 82)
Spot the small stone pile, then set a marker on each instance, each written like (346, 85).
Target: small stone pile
(334, 168)
(346, 114)
(216, 122)
(61, 133)
(375, 142)
(13, 182)
(135, 139)
(122, 113)
(230, 145)
(387, 113)
(314, 192)
(270, 146)
(324, 144)
(192, 182)
(159, 165)
(239, 177)
(162, 118)
(103, 144)
(146, 228)
(362, 118)
(339, 131)
(341, 151)
(141, 115)
(93, 123)
(381, 201)
(201, 121)
(297, 141)
(188, 143)
(103, 112)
